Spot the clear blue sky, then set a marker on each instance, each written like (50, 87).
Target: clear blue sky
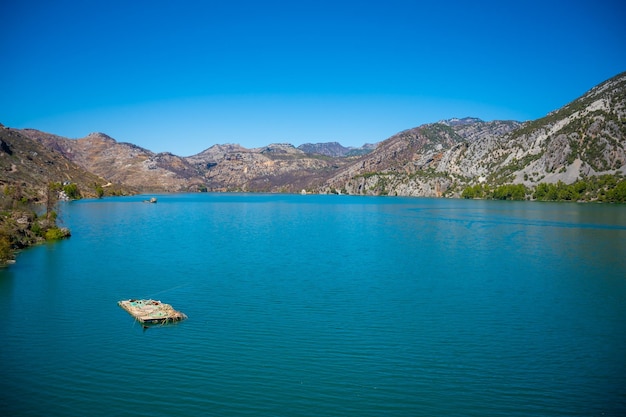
(180, 76)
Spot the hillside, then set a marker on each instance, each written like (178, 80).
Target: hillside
(30, 166)
(335, 149)
(417, 162)
(586, 138)
(122, 162)
(27, 170)
(274, 168)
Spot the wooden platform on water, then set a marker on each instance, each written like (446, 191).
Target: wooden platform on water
(151, 311)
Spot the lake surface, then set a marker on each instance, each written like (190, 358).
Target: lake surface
(320, 306)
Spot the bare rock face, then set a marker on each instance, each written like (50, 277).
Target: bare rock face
(424, 161)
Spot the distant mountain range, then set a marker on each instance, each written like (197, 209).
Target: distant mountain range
(585, 138)
(335, 149)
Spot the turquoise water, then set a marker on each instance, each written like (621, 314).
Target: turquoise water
(321, 306)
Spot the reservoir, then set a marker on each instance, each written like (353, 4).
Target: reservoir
(320, 305)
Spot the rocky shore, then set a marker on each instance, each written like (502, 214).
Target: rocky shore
(20, 229)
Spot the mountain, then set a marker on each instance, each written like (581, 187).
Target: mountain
(416, 162)
(585, 138)
(335, 149)
(30, 166)
(123, 162)
(278, 167)
(460, 122)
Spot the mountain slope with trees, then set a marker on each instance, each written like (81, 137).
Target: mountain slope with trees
(586, 138)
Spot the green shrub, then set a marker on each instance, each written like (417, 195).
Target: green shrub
(475, 191)
(72, 191)
(617, 194)
(510, 192)
(37, 229)
(605, 188)
(56, 233)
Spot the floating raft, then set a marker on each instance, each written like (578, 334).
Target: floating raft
(151, 311)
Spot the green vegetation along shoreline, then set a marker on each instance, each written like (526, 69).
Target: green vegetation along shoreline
(20, 224)
(604, 189)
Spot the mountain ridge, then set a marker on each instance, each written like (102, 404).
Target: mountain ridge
(585, 137)
(31, 166)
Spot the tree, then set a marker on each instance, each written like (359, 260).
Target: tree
(566, 192)
(617, 194)
(510, 192)
(52, 197)
(5, 249)
(72, 191)
(546, 192)
(475, 191)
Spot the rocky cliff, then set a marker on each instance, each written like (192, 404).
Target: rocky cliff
(587, 137)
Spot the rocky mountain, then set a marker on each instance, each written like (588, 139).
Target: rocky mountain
(123, 162)
(28, 165)
(278, 167)
(417, 161)
(272, 168)
(335, 149)
(585, 138)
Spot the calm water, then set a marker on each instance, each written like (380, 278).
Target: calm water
(321, 306)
